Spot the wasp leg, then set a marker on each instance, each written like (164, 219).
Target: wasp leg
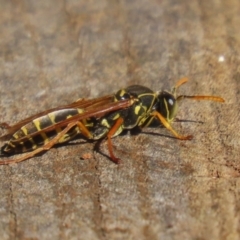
(84, 131)
(111, 133)
(167, 125)
(45, 147)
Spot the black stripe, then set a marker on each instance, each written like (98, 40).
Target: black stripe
(64, 114)
(38, 140)
(44, 122)
(28, 145)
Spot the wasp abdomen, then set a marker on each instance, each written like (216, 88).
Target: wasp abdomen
(15, 145)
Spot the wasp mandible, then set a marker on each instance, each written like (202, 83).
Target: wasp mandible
(104, 117)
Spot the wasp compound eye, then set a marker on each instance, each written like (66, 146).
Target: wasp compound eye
(167, 105)
(171, 102)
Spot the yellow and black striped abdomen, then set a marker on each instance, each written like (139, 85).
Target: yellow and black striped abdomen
(38, 125)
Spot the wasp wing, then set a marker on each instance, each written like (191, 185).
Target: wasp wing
(92, 108)
(81, 104)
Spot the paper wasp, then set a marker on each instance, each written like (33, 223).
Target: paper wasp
(104, 117)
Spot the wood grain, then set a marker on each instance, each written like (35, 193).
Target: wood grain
(54, 52)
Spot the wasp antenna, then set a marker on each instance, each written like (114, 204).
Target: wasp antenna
(178, 84)
(208, 98)
(181, 82)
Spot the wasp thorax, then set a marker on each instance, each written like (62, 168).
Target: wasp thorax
(167, 105)
(122, 95)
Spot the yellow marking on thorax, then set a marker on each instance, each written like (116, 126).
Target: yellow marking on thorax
(123, 91)
(116, 116)
(105, 123)
(137, 109)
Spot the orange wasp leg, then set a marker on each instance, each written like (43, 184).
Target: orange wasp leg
(167, 125)
(111, 133)
(50, 144)
(84, 131)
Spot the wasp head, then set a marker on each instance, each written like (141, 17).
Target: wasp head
(166, 105)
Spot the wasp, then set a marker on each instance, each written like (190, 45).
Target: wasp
(95, 119)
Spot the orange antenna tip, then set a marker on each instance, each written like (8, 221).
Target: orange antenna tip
(181, 82)
(209, 98)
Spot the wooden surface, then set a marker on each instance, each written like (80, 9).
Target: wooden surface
(54, 52)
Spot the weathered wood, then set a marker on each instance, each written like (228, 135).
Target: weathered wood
(54, 52)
